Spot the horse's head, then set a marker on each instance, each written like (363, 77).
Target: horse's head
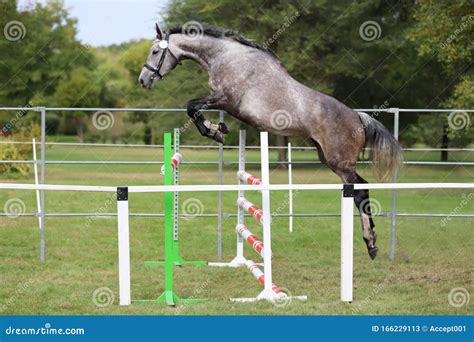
(160, 60)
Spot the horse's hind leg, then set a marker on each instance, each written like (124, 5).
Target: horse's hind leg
(362, 201)
(344, 167)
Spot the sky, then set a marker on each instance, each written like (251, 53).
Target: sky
(105, 22)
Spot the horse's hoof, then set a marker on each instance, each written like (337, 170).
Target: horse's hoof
(223, 128)
(373, 252)
(219, 137)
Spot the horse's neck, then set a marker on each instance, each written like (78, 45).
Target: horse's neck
(202, 50)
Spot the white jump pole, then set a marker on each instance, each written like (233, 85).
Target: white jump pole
(267, 256)
(123, 246)
(347, 242)
(35, 169)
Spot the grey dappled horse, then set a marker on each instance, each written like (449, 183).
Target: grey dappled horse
(249, 82)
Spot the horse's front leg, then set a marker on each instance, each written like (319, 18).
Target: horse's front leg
(208, 129)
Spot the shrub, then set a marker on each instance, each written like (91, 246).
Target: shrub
(19, 151)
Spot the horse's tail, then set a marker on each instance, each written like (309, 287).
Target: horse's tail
(385, 151)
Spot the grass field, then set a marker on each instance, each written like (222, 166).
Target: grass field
(433, 256)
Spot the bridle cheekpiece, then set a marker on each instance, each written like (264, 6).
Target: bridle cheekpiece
(164, 45)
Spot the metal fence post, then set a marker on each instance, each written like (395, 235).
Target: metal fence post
(220, 170)
(396, 119)
(43, 175)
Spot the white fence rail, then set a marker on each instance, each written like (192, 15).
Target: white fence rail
(233, 187)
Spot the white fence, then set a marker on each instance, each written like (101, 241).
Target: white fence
(42, 162)
(347, 218)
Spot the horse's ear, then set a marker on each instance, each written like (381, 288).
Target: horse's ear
(159, 33)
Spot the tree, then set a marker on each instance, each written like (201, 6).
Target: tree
(40, 52)
(443, 31)
(78, 90)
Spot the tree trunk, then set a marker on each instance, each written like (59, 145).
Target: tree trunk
(444, 144)
(80, 130)
(282, 143)
(148, 134)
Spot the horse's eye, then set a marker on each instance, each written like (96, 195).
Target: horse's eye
(155, 52)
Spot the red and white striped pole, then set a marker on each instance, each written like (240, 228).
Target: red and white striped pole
(248, 178)
(260, 277)
(175, 161)
(251, 239)
(251, 208)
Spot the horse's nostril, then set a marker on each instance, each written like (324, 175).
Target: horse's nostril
(141, 81)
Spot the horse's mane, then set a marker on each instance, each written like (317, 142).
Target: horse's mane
(219, 32)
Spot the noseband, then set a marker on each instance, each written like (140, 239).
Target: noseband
(156, 71)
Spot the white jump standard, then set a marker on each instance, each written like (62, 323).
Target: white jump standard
(271, 292)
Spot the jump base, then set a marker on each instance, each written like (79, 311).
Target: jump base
(236, 262)
(180, 262)
(171, 299)
(272, 300)
(228, 264)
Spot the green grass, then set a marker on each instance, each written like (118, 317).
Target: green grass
(432, 258)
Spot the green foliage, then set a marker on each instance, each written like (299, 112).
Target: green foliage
(420, 58)
(77, 90)
(52, 123)
(19, 151)
(443, 33)
(32, 66)
(445, 29)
